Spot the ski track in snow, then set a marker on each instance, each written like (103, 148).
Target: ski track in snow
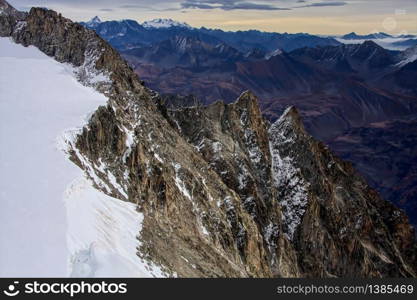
(54, 223)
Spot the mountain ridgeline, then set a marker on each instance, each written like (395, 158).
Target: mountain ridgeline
(127, 34)
(341, 90)
(224, 193)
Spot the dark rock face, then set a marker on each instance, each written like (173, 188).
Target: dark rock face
(223, 193)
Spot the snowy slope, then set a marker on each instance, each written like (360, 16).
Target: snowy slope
(53, 222)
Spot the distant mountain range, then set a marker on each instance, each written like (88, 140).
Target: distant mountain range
(129, 33)
(337, 87)
(386, 153)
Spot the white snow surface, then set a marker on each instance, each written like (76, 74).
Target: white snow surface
(53, 222)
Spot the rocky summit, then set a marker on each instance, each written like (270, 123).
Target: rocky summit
(224, 193)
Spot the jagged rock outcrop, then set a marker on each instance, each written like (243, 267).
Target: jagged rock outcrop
(223, 193)
(233, 140)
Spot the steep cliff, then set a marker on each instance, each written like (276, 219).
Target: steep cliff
(223, 193)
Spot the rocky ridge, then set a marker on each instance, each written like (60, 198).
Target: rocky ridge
(223, 192)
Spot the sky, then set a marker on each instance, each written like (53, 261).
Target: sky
(327, 17)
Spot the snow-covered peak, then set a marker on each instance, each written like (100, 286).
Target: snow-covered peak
(164, 23)
(94, 22)
(273, 53)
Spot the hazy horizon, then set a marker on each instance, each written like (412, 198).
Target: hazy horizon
(326, 17)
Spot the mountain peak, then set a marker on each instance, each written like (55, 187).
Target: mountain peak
(7, 9)
(164, 23)
(291, 114)
(350, 35)
(4, 5)
(374, 35)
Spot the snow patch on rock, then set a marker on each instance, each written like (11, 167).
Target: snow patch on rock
(164, 23)
(180, 183)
